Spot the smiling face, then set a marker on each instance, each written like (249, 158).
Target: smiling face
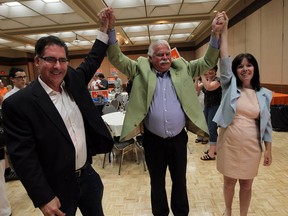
(245, 72)
(52, 73)
(161, 58)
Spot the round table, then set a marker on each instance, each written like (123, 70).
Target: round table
(115, 121)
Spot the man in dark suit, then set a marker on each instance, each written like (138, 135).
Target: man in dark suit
(53, 130)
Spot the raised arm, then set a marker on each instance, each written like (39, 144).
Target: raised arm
(210, 85)
(224, 38)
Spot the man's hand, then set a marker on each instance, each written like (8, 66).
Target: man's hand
(52, 208)
(218, 23)
(104, 19)
(111, 17)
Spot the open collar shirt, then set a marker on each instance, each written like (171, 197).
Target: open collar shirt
(72, 118)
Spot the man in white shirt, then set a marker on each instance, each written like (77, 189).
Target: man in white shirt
(18, 78)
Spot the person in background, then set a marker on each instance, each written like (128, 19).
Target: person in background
(94, 83)
(3, 91)
(198, 85)
(18, 78)
(103, 85)
(164, 101)
(57, 129)
(117, 84)
(9, 88)
(5, 207)
(129, 86)
(212, 97)
(245, 124)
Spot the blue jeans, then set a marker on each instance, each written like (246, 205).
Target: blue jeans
(87, 195)
(209, 113)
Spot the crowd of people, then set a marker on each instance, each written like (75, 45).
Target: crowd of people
(56, 170)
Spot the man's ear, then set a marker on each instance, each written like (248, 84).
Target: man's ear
(36, 61)
(150, 59)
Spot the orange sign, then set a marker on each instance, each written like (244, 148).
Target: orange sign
(174, 53)
(98, 93)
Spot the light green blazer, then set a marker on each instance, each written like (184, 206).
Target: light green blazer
(144, 84)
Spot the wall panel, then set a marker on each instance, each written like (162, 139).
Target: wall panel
(285, 43)
(253, 31)
(271, 42)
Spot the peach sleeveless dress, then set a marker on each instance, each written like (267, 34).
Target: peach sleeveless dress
(238, 148)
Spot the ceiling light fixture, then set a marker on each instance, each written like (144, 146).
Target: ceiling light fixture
(76, 41)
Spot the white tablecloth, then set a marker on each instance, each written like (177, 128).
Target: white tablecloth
(115, 121)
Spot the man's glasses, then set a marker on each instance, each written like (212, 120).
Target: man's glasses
(53, 60)
(20, 77)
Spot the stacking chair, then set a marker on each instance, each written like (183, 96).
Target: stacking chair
(115, 103)
(139, 144)
(126, 105)
(121, 101)
(122, 147)
(108, 109)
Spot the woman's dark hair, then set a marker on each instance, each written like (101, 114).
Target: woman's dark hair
(49, 40)
(255, 81)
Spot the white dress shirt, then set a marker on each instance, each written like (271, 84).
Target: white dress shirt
(73, 120)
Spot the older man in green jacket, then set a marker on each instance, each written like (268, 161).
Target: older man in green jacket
(163, 102)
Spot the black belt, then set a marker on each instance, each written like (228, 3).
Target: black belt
(152, 134)
(79, 172)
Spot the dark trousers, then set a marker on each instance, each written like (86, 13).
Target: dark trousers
(162, 153)
(88, 193)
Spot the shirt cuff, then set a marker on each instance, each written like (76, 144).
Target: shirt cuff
(112, 37)
(102, 37)
(214, 42)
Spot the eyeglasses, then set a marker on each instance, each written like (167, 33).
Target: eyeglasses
(53, 60)
(20, 77)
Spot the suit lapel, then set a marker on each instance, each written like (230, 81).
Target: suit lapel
(42, 99)
(152, 80)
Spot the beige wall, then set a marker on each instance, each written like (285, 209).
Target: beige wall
(265, 35)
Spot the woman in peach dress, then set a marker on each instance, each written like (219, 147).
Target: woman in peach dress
(245, 124)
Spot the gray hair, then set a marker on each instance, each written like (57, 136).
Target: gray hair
(157, 43)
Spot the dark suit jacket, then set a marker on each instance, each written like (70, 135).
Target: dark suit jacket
(40, 147)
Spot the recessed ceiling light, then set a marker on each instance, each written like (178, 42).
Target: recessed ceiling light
(12, 4)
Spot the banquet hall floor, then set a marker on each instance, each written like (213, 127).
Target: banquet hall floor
(128, 194)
